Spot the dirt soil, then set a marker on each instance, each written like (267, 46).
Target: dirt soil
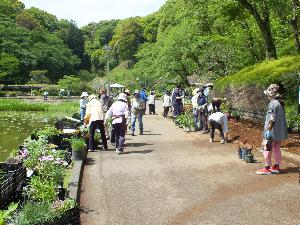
(242, 129)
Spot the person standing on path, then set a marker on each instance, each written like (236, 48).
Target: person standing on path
(177, 100)
(119, 114)
(106, 102)
(218, 121)
(143, 96)
(95, 117)
(195, 107)
(83, 103)
(203, 112)
(137, 107)
(166, 104)
(151, 103)
(275, 130)
(46, 95)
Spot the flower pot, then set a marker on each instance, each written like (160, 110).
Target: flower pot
(77, 155)
(249, 158)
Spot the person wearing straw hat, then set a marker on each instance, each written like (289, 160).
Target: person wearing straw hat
(275, 130)
(95, 118)
(119, 114)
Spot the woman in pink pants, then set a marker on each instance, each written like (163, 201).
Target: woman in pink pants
(275, 130)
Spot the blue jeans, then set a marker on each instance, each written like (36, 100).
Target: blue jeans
(133, 120)
(82, 114)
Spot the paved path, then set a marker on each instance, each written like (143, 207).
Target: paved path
(169, 177)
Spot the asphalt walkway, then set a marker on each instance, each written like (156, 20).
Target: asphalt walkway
(169, 177)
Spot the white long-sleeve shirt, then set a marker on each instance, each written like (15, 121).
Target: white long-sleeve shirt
(195, 101)
(94, 109)
(167, 101)
(151, 99)
(221, 119)
(119, 108)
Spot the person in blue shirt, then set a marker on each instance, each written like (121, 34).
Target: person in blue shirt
(143, 96)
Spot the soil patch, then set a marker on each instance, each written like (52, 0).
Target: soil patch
(242, 129)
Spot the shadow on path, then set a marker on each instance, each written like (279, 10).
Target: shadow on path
(137, 152)
(136, 144)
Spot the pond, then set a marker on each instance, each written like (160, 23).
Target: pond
(15, 127)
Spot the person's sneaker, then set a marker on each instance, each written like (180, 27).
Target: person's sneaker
(104, 149)
(263, 171)
(90, 150)
(222, 141)
(132, 134)
(275, 169)
(118, 151)
(211, 140)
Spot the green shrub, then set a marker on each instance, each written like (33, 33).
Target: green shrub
(34, 213)
(262, 74)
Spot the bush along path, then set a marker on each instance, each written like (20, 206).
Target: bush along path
(40, 197)
(169, 176)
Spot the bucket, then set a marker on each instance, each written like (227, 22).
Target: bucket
(249, 158)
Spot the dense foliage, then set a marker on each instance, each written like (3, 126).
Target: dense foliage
(207, 40)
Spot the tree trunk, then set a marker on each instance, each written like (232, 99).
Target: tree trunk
(294, 23)
(263, 23)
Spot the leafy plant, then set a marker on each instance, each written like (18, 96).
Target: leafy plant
(42, 189)
(7, 214)
(48, 132)
(34, 213)
(291, 116)
(77, 144)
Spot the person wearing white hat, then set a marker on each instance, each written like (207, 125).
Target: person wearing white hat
(119, 114)
(83, 102)
(137, 111)
(196, 107)
(95, 118)
(275, 130)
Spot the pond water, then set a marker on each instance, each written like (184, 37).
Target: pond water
(15, 127)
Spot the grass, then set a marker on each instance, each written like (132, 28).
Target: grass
(261, 74)
(19, 105)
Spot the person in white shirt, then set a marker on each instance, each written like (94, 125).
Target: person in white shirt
(119, 114)
(83, 103)
(195, 107)
(94, 116)
(166, 104)
(151, 103)
(218, 121)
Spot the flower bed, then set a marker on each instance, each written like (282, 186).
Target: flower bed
(44, 201)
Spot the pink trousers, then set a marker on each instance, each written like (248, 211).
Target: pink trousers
(275, 152)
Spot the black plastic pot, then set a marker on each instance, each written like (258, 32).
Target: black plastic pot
(77, 155)
(249, 158)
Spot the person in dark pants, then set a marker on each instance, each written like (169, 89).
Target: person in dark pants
(119, 114)
(95, 118)
(151, 103)
(166, 104)
(218, 121)
(177, 100)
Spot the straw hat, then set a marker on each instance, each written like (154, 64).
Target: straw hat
(84, 94)
(272, 91)
(91, 97)
(123, 97)
(195, 91)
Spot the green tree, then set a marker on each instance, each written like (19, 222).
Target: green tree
(9, 65)
(128, 36)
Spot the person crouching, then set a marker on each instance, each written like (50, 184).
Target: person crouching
(218, 121)
(119, 114)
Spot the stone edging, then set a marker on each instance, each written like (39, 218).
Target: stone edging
(75, 183)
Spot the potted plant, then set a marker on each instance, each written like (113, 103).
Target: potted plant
(249, 157)
(78, 148)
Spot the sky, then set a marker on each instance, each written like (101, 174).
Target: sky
(86, 11)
